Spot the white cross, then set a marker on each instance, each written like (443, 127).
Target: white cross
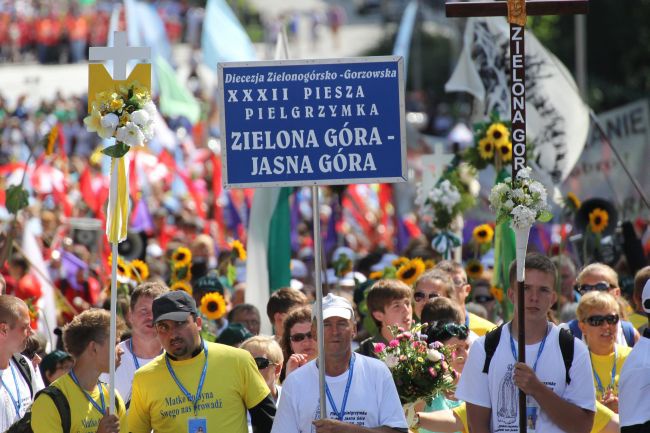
(433, 166)
(120, 53)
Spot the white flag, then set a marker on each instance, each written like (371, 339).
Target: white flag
(557, 120)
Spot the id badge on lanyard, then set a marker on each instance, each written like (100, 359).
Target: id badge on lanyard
(532, 411)
(197, 425)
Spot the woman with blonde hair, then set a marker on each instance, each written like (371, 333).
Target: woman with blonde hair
(269, 359)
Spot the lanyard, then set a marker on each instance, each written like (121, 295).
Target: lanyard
(194, 400)
(466, 318)
(14, 401)
(599, 383)
(135, 358)
(539, 351)
(102, 408)
(341, 414)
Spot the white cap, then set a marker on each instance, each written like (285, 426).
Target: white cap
(645, 297)
(296, 284)
(386, 261)
(335, 306)
(329, 277)
(344, 250)
(352, 278)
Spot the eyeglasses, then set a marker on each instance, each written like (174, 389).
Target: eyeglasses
(482, 299)
(598, 320)
(298, 337)
(600, 287)
(420, 296)
(263, 363)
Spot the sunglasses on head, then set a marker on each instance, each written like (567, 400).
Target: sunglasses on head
(482, 299)
(420, 296)
(299, 336)
(445, 331)
(598, 320)
(262, 362)
(600, 287)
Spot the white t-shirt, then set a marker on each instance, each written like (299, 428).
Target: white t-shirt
(634, 385)
(372, 399)
(497, 390)
(125, 372)
(18, 387)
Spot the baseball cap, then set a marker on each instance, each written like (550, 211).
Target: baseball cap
(234, 335)
(50, 360)
(335, 306)
(645, 297)
(176, 306)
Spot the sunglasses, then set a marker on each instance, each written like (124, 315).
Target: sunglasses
(298, 337)
(420, 296)
(482, 299)
(262, 362)
(600, 287)
(598, 320)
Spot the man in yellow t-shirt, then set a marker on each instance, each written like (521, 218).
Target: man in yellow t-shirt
(195, 384)
(86, 338)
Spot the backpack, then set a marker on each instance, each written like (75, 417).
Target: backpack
(627, 327)
(24, 425)
(566, 347)
(25, 371)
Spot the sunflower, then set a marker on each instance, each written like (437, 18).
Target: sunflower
(572, 201)
(377, 275)
(410, 271)
(182, 285)
(598, 220)
(429, 264)
(498, 133)
(483, 234)
(485, 148)
(140, 270)
(181, 274)
(123, 267)
(497, 292)
(213, 305)
(182, 257)
(238, 247)
(474, 269)
(399, 262)
(505, 151)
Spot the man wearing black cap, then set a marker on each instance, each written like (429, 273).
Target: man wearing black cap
(634, 383)
(196, 383)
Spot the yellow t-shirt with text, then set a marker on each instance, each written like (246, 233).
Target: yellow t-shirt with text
(603, 364)
(84, 417)
(232, 385)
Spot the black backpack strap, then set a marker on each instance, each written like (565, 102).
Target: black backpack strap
(24, 369)
(491, 342)
(61, 404)
(566, 347)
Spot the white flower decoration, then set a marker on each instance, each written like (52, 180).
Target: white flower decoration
(130, 134)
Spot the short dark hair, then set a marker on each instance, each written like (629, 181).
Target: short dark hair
(640, 279)
(383, 292)
(240, 308)
(152, 289)
(90, 325)
(283, 300)
(535, 261)
(441, 310)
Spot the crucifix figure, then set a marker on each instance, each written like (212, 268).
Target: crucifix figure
(517, 11)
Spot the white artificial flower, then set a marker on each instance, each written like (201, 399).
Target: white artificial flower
(110, 121)
(523, 216)
(150, 108)
(524, 173)
(130, 134)
(433, 355)
(140, 117)
(509, 204)
(518, 195)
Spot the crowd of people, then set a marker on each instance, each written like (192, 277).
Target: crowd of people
(171, 375)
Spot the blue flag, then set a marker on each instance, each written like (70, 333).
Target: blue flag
(224, 39)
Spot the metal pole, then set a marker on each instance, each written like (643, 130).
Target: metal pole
(113, 331)
(318, 272)
(580, 22)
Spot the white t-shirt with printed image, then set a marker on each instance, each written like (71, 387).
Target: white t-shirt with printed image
(372, 399)
(8, 414)
(497, 390)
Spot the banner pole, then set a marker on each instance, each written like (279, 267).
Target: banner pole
(113, 331)
(318, 272)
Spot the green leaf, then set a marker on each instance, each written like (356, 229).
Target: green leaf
(545, 216)
(117, 150)
(16, 198)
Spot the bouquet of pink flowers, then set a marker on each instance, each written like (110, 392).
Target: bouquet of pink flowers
(420, 371)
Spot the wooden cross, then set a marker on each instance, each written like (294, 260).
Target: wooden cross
(516, 11)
